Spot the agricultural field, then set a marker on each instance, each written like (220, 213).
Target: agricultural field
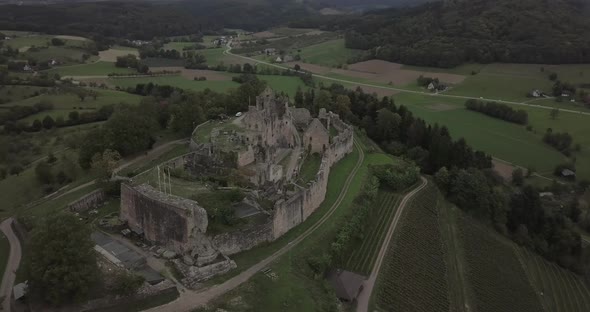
(501, 87)
(72, 101)
(557, 288)
(178, 45)
(414, 274)
(363, 258)
(331, 53)
(287, 84)
(63, 55)
(93, 69)
(502, 139)
(495, 274)
(213, 56)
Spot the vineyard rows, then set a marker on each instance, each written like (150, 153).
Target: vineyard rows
(413, 276)
(497, 278)
(559, 289)
(362, 258)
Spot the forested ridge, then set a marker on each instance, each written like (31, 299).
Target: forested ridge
(449, 33)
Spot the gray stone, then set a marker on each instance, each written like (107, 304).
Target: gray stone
(188, 260)
(169, 254)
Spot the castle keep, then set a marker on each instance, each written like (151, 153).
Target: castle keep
(241, 186)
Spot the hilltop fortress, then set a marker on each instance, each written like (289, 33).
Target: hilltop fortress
(277, 159)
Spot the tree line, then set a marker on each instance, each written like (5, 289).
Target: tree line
(498, 110)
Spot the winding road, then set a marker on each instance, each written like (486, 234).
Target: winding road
(365, 296)
(190, 300)
(11, 265)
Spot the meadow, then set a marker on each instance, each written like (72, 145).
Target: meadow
(414, 275)
(17, 93)
(331, 53)
(176, 81)
(93, 69)
(501, 139)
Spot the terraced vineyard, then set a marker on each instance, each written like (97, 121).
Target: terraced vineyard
(413, 276)
(497, 278)
(363, 258)
(558, 289)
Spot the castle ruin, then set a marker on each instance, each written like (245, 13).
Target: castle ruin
(262, 155)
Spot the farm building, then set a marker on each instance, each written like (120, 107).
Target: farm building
(348, 285)
(568, 174)
(270, 51)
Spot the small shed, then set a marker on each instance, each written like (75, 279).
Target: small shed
(19, 291)
(348, 285)
(567, 173)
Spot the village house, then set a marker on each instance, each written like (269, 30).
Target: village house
(27, 68)
(536, 93)
(270, 51)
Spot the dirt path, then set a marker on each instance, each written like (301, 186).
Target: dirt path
(228, 52)
(11, 265)
(190, 300)
(365, 295)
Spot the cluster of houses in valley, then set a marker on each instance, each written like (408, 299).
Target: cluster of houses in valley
(286, 58)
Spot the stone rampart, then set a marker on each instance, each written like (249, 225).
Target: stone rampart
(88, 201)
(164, 219)
(230, 243)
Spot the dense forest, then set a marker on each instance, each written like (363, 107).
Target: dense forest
(134, 20)
(449, 33)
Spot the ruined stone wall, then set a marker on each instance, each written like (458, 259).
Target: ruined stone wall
(88, 201)
(246, 157)
(167, 220)
(293, 211)
(230, 243)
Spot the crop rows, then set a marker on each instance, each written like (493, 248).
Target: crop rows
(497, 278)
(362, 258)
(559, 289)
(413, 276)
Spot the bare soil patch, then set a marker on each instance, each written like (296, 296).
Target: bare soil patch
(503, 169)
(386, 72)
(111, 55)
(264, 34)
(211, 75)
(66, 37)
(440, 107)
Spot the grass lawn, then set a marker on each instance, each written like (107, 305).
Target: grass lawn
(330, 53)
(93, 69)
(309, 168)
(4, 253)
(176, 81)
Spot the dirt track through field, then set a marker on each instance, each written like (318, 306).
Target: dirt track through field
(191, 300)
(369, 284)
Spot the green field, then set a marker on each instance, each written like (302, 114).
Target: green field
(501, 139)
(63, 55)
(495, 274)
(71, 101)
(178, 46)
(176, 81)
(214, 56)
(17, 93)
(330, 53)
(287, 84)
(92, 69)
(363, 258)
(558, 289)
(501, 87)
(39, 40)
(414, 275)
(4, 253)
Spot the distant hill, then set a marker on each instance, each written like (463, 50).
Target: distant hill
(446, 34)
